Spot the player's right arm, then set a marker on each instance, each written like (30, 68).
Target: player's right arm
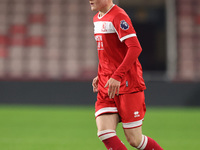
(95, 84)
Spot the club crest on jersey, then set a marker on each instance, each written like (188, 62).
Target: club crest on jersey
(124, 25)
(104, 27)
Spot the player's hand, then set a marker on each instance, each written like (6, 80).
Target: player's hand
(95, 84)
(113, 87)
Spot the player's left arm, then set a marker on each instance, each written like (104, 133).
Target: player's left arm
(134, 50)
(126, 34)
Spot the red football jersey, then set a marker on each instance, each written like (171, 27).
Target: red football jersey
(110, 31)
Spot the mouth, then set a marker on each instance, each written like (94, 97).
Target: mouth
(91, 3)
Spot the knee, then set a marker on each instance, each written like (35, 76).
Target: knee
(133, 141)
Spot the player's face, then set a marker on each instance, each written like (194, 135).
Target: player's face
(98, 5)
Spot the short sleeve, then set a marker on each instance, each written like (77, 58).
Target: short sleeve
(123, 26)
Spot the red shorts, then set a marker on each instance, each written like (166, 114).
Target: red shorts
(130, 107)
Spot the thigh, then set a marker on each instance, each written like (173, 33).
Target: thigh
(131, 109)
(107, 121)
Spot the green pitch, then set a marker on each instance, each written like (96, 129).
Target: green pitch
(73, 128)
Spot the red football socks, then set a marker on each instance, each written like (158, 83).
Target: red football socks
(110, 140)
(148, 143)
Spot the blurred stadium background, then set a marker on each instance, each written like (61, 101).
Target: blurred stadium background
(48, 56)
(48, 52)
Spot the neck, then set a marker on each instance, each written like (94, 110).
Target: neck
(105, 9)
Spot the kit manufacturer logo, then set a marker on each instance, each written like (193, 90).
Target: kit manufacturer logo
(136, 114)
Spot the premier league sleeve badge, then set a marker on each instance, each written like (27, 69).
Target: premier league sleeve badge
(124, 25)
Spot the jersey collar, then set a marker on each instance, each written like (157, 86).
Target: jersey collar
(106, 12)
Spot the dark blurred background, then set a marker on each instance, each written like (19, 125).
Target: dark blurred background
(48, 53)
